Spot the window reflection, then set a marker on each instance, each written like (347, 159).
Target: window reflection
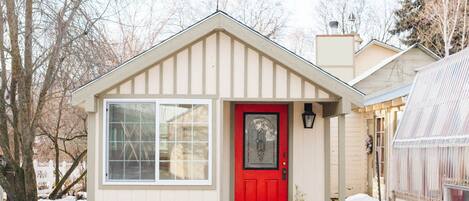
(183, 142)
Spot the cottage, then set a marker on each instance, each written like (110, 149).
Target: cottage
(216, 112)
(430, 159)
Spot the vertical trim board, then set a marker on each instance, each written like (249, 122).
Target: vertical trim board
(259, 92)
(175, 70)
(204, 64)
(232, 68)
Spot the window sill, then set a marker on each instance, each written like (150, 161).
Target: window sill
(199, 185)
(159, 183)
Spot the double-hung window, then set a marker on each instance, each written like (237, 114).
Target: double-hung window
(158, 142)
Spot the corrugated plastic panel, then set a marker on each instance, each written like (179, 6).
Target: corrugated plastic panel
(437, 112)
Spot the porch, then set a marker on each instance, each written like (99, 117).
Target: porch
(309, 150)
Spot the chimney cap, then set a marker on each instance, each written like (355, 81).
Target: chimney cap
(334, 24)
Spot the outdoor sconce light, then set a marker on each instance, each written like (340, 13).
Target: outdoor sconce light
(308, 116)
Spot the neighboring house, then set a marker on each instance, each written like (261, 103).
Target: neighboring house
(384, 73)
(217, 112)
(396, 70)
(386, 86)
(372, 54)
(430, 159)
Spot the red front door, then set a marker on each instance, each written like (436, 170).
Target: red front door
(261, 152)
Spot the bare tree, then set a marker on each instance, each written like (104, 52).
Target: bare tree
(265, 16)
(370, 19)
(65, 130)
(42, 38)
(451, 15)
(438, 24)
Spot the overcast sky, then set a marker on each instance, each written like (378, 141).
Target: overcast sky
(302, 15)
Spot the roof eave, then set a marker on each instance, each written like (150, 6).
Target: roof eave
(216, 21)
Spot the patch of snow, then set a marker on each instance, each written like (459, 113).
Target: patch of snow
(68, 198)
(360, 197)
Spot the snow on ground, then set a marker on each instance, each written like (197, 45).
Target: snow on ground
(360, 197)
(69, 198)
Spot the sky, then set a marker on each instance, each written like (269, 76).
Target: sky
(301, 13)
(301, 25)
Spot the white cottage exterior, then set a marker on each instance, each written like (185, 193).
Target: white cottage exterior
(173, 123)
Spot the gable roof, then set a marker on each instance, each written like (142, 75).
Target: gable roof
(217, 21)
(437, 111)
(389, 60)
(378, 43)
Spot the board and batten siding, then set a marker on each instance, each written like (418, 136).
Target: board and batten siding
(220, 65)
(222, 68)
(355, 154)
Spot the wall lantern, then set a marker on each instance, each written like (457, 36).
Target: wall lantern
(308, 116)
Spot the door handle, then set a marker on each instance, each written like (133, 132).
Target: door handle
(284, 173)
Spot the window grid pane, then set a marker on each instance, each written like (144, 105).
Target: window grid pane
(183, 134)
(131, 135)
(183, 142)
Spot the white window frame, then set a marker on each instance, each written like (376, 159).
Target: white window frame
(447, 187)
(157, 103)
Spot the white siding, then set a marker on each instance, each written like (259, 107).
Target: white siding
(154, 80)
(267, 78)
(196, 68)
(243, 72)
(355, 155)
(295, 86)
(225, 65)
(281, 82)
(156, 195)
(308, 154)
(168, 76)
(310, 90)
(126, 87)
(252, 73)
(238, 69)
(182, 72)
(139, 84)
(211, 65)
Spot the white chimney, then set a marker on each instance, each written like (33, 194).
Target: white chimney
(335, 54)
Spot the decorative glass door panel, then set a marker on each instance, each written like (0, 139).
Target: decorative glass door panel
(261, 140)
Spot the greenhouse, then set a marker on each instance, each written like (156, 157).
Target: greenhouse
(431, 148)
